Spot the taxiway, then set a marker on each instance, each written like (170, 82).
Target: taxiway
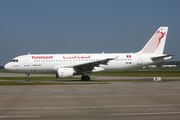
(115, 101)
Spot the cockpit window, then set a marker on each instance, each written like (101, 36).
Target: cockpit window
(14, 60)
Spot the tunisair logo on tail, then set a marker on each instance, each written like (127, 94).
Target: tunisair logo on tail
(160, 38)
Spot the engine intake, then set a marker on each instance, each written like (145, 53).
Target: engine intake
(64, 72)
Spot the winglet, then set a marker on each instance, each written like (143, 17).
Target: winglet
(116, 57)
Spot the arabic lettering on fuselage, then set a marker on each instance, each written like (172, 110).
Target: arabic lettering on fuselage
(76, 57)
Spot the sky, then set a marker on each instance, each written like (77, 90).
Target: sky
(85, 26)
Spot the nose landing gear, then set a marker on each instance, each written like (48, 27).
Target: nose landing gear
(27, 78)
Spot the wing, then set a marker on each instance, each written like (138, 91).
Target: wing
(89, 66)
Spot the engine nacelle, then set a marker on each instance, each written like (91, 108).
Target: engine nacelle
(64, 72)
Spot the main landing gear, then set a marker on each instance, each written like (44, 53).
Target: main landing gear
(85, 78)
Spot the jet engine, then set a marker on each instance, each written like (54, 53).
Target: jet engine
(64, 72)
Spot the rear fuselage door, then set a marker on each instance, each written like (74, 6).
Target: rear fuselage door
(139, 59)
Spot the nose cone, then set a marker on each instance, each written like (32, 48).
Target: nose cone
(7, 66)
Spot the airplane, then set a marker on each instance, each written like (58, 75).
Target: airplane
(68, 65)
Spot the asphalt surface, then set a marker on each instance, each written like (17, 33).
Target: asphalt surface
(114, 101)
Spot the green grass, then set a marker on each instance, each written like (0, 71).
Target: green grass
(32, 78)
(140, 73)
(167, 72)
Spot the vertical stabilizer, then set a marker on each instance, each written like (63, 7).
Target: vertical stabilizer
(157, 42)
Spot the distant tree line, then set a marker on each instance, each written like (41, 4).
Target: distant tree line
(1, 67)
(169, 63)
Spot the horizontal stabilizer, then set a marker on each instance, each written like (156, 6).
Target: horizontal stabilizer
(164, 57)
